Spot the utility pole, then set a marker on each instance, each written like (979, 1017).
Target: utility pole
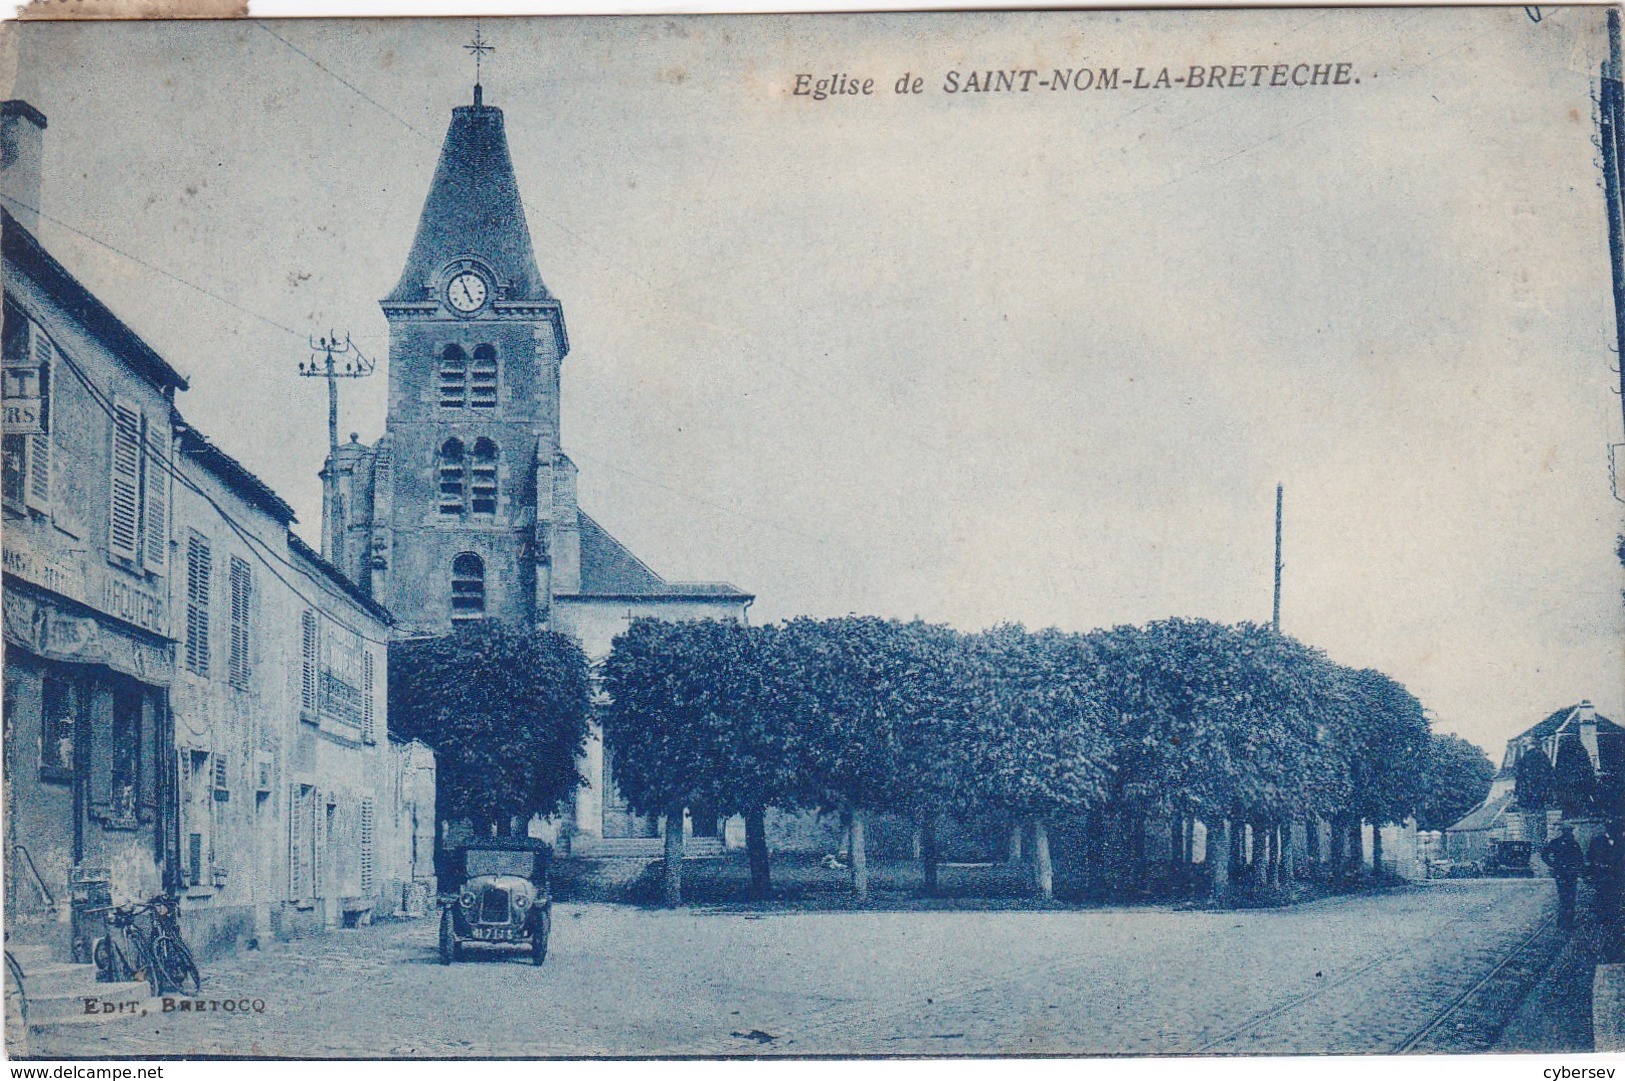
(325, 355)
(356, 366)
(1609, 116)
(1275, 618)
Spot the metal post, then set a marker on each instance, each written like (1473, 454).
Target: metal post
(1275, 617)
(1608, 121)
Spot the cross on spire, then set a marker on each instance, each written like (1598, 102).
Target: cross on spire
(479, 47)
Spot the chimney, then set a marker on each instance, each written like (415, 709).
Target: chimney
(22, 145)
(1588, 729)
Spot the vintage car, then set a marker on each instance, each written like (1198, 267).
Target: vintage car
(498, 895)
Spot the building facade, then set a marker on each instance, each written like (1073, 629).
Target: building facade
(466, 507)
(195, 701)
(292, 814)
(89, 792)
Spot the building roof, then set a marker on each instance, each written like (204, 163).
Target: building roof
(23, 250)
(1565, 720)
(1484, 816)
(233, 474)
(609, 569)
(1562, 719)
(337, 578)
(473, 209)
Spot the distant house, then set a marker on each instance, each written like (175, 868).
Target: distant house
(1501, 817)
(1471, 840)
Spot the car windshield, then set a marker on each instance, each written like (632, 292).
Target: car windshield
(496, 862)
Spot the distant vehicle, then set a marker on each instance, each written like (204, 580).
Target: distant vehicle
(1510, 858)
(501, 896)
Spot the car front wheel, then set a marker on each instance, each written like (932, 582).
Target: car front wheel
(538, 938)
(448, 938)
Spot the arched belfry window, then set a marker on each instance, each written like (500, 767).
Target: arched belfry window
(483, 382)
(453, 479)
(453, 377)
(468, 587)
(483, 478)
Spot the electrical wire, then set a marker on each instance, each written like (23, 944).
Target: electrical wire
(256, 546)
(155, 269)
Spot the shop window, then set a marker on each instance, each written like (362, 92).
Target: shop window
(59, 732)
(468, 587)
(125, 759)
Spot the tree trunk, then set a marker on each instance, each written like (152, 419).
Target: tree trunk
(1238, 851)
(1376, 849)
(1311, 838)
(1357, 847)
(761, 876)
(1136, 823)
(860, 856)
(673, 886)
(928, 850)
(1218, 858)
(1015, 843)
(1261, 855)
(1334, 857)
(1043, 873)
(1176, 841)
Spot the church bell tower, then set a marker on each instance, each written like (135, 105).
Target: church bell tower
(473, 503)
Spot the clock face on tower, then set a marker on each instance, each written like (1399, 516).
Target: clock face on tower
(466, 292)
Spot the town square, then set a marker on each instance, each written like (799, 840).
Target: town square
(792, 536)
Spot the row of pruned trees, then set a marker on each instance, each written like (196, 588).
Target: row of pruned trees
(1238, 727)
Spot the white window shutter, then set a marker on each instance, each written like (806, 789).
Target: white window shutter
(368, 731)
(38, 493)
(308, 674)
(296, 844)
(124, 504)
(156, 484)
(367, 871)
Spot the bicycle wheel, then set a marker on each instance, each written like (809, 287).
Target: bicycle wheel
(155, 974)
(111, 964)
(176, 961)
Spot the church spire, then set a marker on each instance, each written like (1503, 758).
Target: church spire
(473, 211)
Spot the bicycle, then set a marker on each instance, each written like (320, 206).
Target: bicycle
(158, 954)
(169, 948)
(131, 961)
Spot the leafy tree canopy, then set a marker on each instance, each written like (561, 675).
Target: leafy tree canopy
(506, 711)
(1455, 778)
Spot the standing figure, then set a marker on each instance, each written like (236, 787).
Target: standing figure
(1605, 867)
(1566, 861)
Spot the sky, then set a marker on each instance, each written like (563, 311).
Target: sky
(977, 357)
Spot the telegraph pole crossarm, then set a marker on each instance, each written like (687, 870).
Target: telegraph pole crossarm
(325, 354)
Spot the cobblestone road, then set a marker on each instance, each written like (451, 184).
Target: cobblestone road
(1355, 974)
